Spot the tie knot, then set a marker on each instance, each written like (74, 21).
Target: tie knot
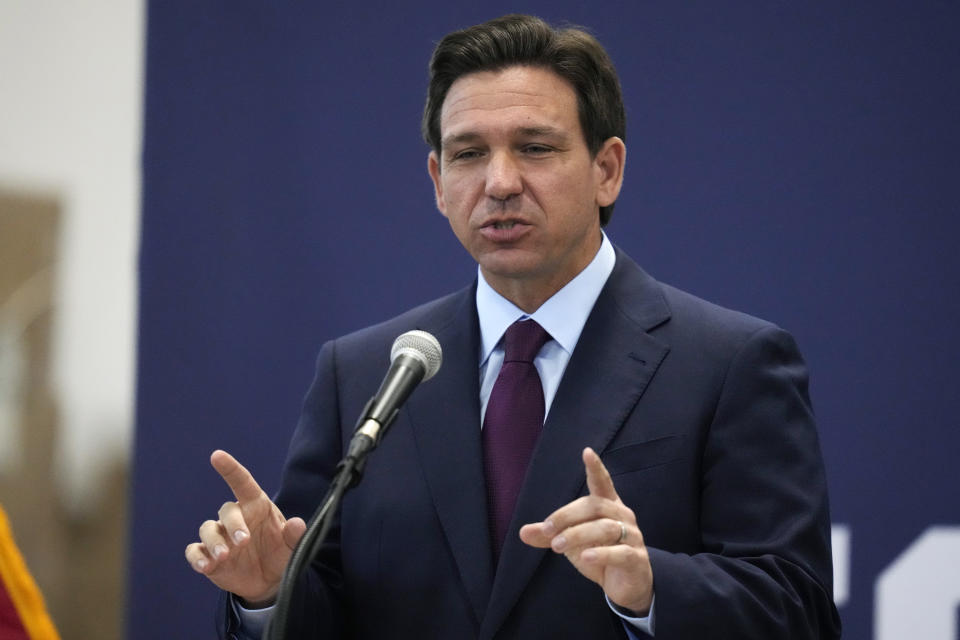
(523, 340)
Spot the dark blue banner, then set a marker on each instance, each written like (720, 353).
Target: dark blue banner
(795, 161)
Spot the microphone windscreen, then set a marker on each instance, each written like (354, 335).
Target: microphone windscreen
(421, 346)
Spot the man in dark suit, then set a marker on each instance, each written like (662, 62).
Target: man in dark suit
(704, 514)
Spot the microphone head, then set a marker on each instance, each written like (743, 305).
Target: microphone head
(421, 346)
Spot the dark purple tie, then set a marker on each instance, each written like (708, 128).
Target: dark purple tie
(512, 423)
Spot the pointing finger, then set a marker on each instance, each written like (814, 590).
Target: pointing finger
(598, 478)
(244, 487)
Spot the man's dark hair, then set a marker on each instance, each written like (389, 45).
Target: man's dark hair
(512, 40)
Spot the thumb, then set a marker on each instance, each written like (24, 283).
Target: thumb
(293, 530)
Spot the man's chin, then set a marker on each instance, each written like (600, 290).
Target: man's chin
(508, 265)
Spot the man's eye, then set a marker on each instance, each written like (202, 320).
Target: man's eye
(536, 149)
(466, 154)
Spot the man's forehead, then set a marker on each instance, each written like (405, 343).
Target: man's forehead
(478, 93)
(516, 97)
(519, 82)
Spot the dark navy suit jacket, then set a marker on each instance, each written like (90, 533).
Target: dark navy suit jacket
(702, 417)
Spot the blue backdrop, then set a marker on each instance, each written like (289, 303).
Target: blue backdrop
(796, 161)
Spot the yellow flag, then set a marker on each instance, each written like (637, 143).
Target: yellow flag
(23, 615)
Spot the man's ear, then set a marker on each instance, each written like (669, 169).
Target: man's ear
(433, 168)
(609, 163)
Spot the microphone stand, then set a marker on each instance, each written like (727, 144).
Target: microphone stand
(349, 471)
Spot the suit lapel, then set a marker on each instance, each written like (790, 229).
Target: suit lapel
(445, 416)
(610, 368)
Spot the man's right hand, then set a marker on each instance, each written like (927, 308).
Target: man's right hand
(246, 550)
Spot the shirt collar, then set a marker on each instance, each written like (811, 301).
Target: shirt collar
(562, 315)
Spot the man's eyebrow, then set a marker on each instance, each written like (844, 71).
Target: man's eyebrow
(526, 132)
(542, 132)
(467, 136)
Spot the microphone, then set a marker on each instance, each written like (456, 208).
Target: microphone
(414, 358)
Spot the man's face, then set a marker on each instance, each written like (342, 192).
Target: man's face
(517, 182)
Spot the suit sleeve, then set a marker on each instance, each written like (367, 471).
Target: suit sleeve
(765, 567)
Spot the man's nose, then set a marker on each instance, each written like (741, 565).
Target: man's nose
(503, 176)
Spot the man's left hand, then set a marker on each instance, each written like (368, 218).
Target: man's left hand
(599, 535)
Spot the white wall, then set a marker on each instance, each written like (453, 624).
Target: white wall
(71, 77)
